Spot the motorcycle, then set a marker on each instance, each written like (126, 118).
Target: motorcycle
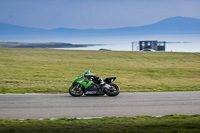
(91, 86)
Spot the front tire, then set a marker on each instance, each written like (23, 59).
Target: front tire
(76, 90)
(114, 91)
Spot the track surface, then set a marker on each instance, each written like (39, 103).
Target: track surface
(22, 106)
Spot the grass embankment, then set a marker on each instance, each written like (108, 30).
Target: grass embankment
(142, 124)
(52, 71)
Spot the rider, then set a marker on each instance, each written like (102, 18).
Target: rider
(88, 73)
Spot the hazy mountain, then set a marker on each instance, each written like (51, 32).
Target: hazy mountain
(175, 25)
(9, 29)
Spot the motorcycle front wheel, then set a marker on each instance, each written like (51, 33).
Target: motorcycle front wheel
(113, 91)
(76, 90)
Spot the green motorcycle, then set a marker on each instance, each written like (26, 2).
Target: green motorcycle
(90, 86)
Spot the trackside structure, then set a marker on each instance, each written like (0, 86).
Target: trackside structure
(149, 44)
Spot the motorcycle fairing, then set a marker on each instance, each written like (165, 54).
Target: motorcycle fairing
(81, 81)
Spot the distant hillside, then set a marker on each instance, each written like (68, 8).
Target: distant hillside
(175, 25)
(42, 45)
(9, 29)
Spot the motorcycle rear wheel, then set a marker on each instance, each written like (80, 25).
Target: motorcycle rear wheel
(76, 91)
(114, 91)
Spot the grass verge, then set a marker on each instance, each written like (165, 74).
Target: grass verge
(52, 71)
(139, 124)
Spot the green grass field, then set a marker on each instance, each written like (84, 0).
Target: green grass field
(139, 124)
(52, 71)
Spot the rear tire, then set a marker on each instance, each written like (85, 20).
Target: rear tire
(76, 90)
(114, 91)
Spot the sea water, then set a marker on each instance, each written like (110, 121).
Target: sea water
(178, 43)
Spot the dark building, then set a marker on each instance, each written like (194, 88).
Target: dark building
(154, 45)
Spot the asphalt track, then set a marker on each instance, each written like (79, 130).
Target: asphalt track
(23, 106)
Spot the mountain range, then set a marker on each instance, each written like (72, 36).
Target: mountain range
(174, 25)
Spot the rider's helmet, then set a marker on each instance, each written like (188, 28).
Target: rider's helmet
(86, 72)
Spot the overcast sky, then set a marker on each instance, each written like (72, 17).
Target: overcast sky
(83, 14)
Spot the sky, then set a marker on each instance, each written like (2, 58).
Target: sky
(93, 14)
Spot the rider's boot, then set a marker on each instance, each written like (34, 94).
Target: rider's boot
(101, 82)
